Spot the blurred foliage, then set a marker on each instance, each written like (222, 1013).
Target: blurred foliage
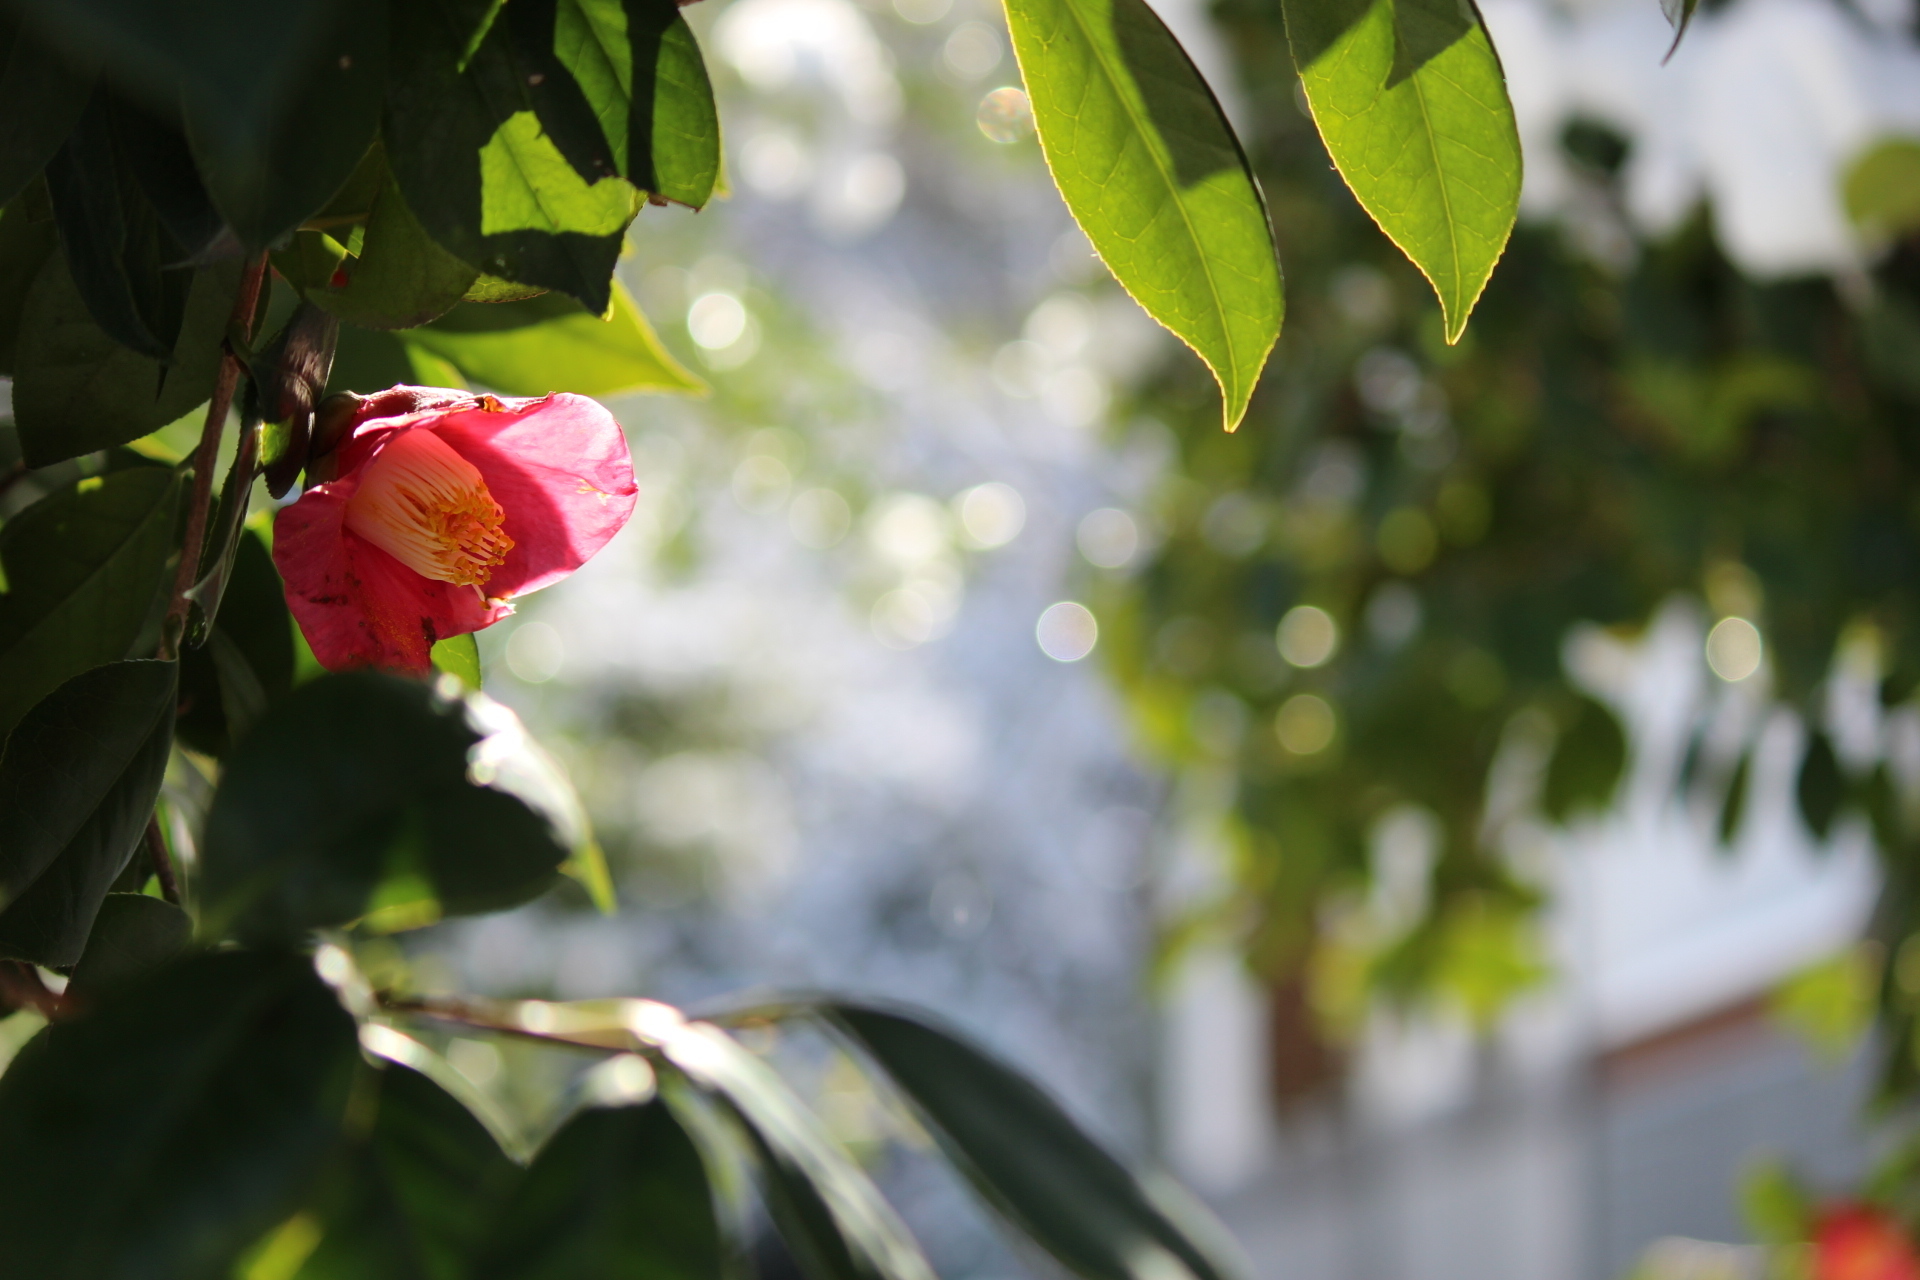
(1605, 437)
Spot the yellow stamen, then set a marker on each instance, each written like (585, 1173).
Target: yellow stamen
(427, 507)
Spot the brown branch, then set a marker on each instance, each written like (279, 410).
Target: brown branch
(206, 456)
(162, 863)
(488, 1015)
(21, 987)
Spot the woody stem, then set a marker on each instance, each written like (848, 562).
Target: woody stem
(204, 458)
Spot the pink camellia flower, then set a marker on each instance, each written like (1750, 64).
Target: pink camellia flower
(1860, 1242)
(436, 508)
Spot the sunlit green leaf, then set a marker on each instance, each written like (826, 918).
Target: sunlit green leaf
(459, 656)
(1411, 102)
(667, 133)
(486, 173)
(84, 569)
(1153, 174)
(163, 1133)
(548, 344)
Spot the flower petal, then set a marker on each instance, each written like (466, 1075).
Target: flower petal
(560, 468)
(357, 605)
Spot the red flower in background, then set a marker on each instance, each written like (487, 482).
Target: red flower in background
(438, 507)
(1858, 1242)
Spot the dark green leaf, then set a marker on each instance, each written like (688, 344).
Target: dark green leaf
(157, 1137)
(1588, 760)
(247, 661)
(1820, 788)
(280, 99)
(402, 277)
(1151, 171)
(25, 245)
(77, 390)
(834, 1220)
(548, 344)
(1024, 1154)
(119, 255)
(1734, 806)
(155, 153)
(132, 936)
(640, 67)
(78, 780)
(1411, 102)
(41, 98)
(415, 1197)
(84, 568)
(618, 1192)
(486, 175)
(353, 798)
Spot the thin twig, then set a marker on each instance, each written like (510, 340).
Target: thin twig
(21, 987)
(204, 458)
(473, 1013)
(162, 863)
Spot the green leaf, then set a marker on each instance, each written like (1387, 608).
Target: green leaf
(548, 344)
(402, 277)
(117, 250)
(157, 1137)
(832, 1217)
(486, 174)
(25, 245)
(1734, 806)
(84, 567)
(77, 390)
(1588, 760)
(247, 662)
(41, 98)
(617, 1192)
(1412, 105)
(666, 132)
(414, 1198)
(274, 141)
(1153, 174)
(353, 797)
(78, 780)
(132, 936)
(459, 656)
(1028, 1159)
(1882, 189)
(1820, 788)
(271, 174)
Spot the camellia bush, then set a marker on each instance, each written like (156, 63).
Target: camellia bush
(360, 254)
